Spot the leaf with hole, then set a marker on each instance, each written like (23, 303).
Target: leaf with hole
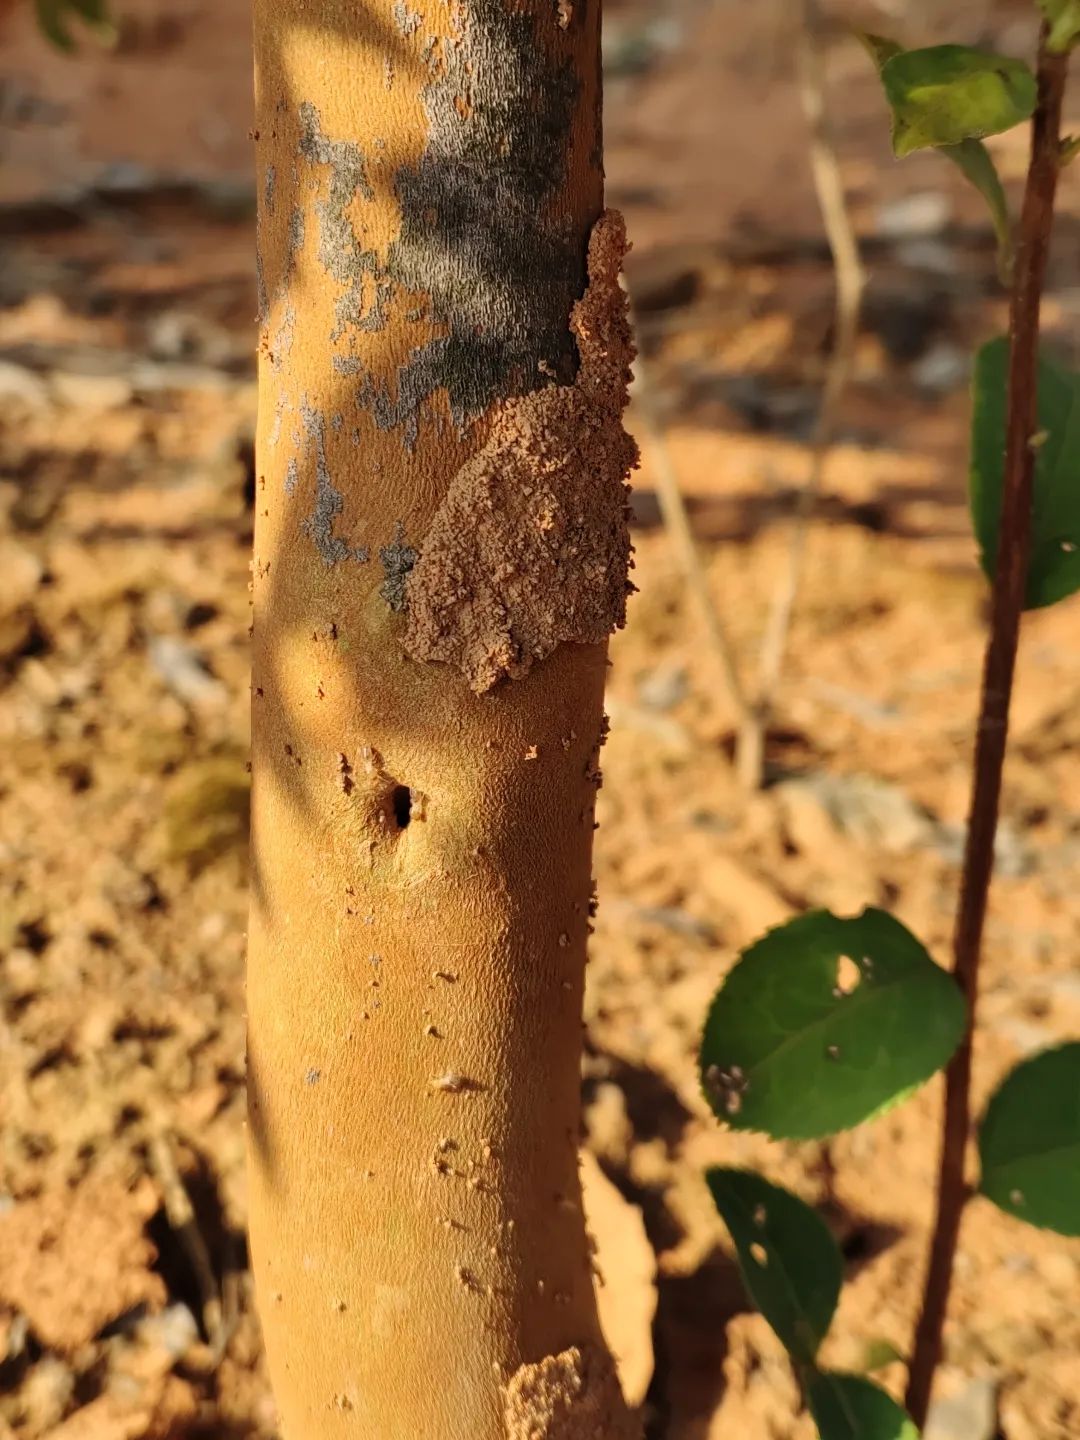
(825, 1022)
(1029, 1142)
(1054, 564)
(1063, 17)
(790, 1263)
(947, 94)
(848, 1407)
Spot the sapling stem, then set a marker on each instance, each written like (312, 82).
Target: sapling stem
(438, 276)
(1010, 581)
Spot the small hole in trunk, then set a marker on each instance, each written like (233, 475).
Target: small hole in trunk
(402, 803)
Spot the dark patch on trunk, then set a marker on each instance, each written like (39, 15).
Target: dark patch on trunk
(328, 502)
(340, 251)
(502, 273)
(530, 546)
(481, 229)
(398, 559)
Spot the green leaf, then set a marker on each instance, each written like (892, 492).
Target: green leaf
(948, 93)
(847, 1407)
(1054, 564)
(49, 16)
(973, 158)
(824, 1022)
(1064, 20)
(790, 1263)
(54, 18)
(1029, 1143)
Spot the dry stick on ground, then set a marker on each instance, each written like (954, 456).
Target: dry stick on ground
(850, 281)
(180, 1214)
(677, 522)
(1010, 582)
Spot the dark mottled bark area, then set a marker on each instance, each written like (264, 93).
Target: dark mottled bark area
(483, 234)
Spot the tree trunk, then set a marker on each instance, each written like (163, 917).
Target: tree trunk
(441, 552)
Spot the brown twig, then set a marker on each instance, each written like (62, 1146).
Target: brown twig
(181, 1217)
(1010, 581)
(850, 282)
(677, 523)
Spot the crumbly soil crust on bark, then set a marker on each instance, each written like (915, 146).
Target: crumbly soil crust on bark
(530, 548)
(574, 1395)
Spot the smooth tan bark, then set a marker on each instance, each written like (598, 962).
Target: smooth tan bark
(428, 177)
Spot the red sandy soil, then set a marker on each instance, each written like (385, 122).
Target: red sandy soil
(126, 335)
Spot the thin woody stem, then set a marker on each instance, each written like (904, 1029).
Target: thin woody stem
(1010, 583)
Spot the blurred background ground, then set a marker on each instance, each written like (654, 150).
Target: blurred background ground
(126, 420)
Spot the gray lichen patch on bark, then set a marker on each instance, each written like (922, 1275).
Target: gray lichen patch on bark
(280, 406)
(574, 1395)
(494, 255)
(294, 243)
(262, 295)
(296, 235)
(398, 559)
(405, 19)
(282, 341)
(480, 231)
(341, 254)
(530, 547)
(328, 500)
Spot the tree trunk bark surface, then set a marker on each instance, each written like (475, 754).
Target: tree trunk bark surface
(440, 554)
